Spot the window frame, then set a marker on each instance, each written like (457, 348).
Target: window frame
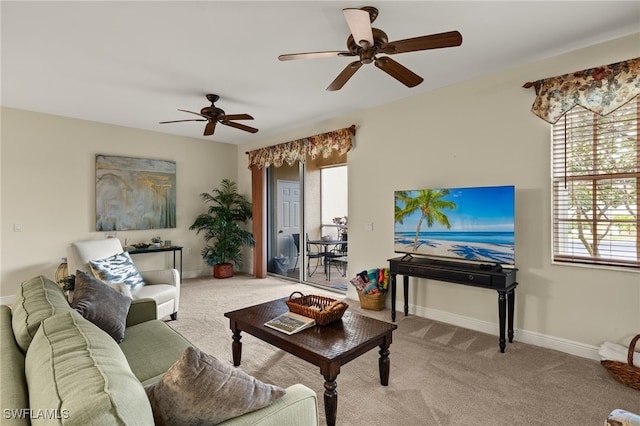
(562, 221)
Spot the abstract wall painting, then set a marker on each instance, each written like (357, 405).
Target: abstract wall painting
(134, 193)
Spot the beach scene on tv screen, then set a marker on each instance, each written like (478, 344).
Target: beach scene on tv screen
(475, 224)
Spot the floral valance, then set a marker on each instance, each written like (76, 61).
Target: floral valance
(298, 150)
(600, 90)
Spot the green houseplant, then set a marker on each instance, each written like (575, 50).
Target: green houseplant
(222, 228)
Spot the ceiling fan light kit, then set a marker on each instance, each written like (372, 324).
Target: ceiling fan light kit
(366, 42)
(213, 115)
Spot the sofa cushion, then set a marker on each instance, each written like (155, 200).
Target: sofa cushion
(118, 268)
(101, 304)
(151, 348)
(36, 300)
(14, 394)
(77, 369)
(199, 389)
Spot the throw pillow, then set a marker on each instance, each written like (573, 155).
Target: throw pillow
(199, 389)
(121, 288)
(118, 268)
(100, 304)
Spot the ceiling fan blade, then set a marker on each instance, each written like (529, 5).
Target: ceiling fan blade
(210, 128)
(240, 126)
(433, 41)
(359, 22)
(237, 117)
(191, 112)
(179, 121)
(399, 72)
(344, 76)
(314, 55)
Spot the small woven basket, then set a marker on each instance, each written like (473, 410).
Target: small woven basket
(322, 309)
(625, 372)
(372, 301)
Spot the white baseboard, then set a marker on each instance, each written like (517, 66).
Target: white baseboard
(529, 337)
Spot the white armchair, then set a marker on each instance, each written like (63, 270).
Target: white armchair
(163, 286)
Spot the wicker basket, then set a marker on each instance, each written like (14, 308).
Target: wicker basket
(322, 309)
(625, 372)
(373, 301)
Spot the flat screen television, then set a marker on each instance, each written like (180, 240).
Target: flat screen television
(466, 224)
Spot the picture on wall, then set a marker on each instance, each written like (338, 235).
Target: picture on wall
(134, 193)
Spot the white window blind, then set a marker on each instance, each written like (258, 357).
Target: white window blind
(596, 187)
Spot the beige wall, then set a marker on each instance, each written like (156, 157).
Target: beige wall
(482, 132)
(48, 186)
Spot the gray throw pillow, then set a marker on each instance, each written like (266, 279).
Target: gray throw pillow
(102, 305)
(118, 268)
(198, 389)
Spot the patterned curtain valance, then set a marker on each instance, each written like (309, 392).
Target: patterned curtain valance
(299, 149)
(600, 90)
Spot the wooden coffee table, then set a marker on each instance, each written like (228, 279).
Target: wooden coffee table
(328, 347)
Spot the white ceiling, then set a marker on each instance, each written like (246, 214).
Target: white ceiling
(135, 63)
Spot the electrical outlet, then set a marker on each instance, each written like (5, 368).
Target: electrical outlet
(17, 227)
(368, 227)
(188, 250)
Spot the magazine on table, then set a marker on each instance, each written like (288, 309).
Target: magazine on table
(290, 323)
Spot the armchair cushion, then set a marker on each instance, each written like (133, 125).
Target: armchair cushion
(118, 268)
(101, 304)
(161, 293)
(80, 253)
(199, 389)
(161, 276)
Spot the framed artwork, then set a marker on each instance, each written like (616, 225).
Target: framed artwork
(134, 193)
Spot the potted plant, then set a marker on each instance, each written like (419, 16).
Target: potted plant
(222, 228)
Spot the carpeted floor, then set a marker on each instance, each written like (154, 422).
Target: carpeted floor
(440, 374)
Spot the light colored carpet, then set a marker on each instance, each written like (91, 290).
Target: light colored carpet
(440, 374)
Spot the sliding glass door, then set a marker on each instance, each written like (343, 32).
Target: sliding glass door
(303, 202)
(284, 220)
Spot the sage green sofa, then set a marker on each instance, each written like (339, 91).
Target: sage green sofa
(58, 368)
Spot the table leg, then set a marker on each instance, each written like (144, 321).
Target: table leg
(511, 299)
(236, 347)
(384, 363)
(392, 282)
(326, 271)
(502, 308)
(330, 399)
(405, 281)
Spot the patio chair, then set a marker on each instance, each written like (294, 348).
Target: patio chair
(314, 251)
(338, 257)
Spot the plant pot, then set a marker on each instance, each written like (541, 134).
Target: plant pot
(223, 270)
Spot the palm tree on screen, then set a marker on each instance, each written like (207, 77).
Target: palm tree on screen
(429, 202)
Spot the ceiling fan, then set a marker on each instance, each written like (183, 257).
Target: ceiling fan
(213, 115)
(367, 42)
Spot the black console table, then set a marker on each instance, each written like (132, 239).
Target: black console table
(174, 249)
(485, 276)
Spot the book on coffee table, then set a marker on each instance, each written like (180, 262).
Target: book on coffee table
(290, 323)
